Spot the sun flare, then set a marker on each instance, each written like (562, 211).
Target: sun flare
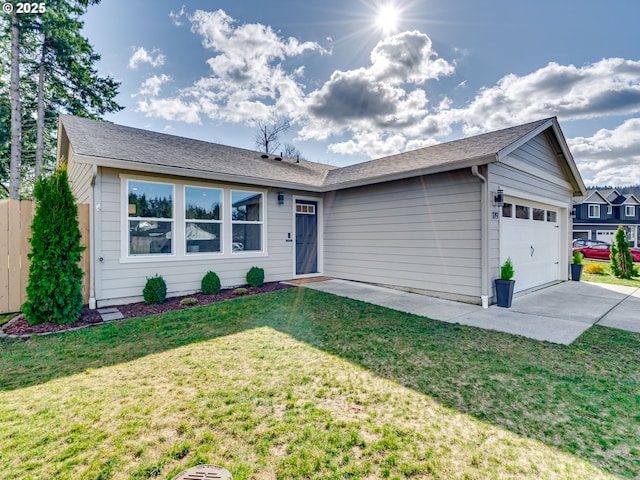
(387, 18)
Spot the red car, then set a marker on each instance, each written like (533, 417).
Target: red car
(602, 251)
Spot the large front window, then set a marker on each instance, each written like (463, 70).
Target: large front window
(203, 219)
(246, 221)
(150, 217)
(594, 211)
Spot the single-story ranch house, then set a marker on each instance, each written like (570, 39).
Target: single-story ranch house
(438, 220)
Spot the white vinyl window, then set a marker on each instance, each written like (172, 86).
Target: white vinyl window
(203, 219)
(246, 221)
(594, 211)
(630, 210)
(150, 218)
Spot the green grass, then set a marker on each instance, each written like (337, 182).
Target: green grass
(302, 384)
(608, 276)
(5, 317)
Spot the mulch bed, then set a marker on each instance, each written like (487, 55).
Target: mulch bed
(19, 326)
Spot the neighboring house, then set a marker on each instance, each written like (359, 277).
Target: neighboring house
(425, 220)
(598, 214)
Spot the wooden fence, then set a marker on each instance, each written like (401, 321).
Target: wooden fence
(15, 231)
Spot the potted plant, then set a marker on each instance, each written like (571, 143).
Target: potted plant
(576, 266)
(504, 285)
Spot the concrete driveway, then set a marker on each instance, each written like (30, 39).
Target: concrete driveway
(558, 314)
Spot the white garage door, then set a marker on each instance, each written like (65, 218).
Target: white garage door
(606, 235)
(529, 235)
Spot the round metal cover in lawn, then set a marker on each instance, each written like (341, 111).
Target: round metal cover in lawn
(204, 472)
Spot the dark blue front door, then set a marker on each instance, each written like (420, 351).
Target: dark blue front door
(306, 237)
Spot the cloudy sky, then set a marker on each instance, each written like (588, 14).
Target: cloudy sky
(360, 79)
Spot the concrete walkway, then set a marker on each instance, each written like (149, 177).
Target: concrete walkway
(558, 314)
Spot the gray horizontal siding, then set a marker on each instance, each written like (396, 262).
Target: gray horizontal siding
(542, 183)
(421, 233)
(120, 282)
(536, 152)
(80, 177)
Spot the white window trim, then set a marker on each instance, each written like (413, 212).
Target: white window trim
(179, 244)
(609, 209)
(596, 208)
(628, 208)
(172, 220)
(247, 222)
(190, 220)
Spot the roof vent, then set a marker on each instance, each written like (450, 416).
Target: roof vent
(264, 155)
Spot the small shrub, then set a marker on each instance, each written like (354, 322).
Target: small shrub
(595, 268)
(155, 290)
(188, 301)
(240, 291)
(577, 258)
(506, 270)
(210, 284)
(621, 259)
(255, 277)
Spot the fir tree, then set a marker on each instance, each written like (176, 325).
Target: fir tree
(54, 291)
(621, 259)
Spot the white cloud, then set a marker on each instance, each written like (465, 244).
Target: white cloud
(170, 109)
(141, 55)
(610, 157)
(152, 85)
(407, 57)
(177, 16)
(608, 87)
(380, 106)
(248, 81)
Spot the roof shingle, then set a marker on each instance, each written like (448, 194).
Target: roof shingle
(98, 139)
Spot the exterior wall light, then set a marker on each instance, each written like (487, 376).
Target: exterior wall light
(499, 198)
(280, 198)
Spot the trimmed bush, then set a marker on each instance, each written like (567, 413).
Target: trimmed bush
(621, 259)
(506, 270)
(210, 284)
(577, 258)
(255, 277)
(596, 268)
(54, 291)
(155, 290)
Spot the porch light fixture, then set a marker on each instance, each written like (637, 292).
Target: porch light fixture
(280, 198)
(499, 198)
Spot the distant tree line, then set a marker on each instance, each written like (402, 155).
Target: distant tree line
(46, 68)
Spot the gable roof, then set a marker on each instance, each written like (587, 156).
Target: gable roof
(595, 197)
(107, 144)
(111, 145)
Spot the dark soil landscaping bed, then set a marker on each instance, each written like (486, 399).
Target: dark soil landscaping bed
(19, 326)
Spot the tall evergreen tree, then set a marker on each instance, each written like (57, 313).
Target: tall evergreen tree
(16, 121)
(56, 72)
(54, 291)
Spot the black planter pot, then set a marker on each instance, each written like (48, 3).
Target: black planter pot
(504, 292)
(576, 272)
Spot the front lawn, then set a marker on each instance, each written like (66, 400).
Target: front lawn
(302, 384)
(608, 276)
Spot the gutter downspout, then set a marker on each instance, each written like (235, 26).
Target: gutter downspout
(92, 242)
(484, 232)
